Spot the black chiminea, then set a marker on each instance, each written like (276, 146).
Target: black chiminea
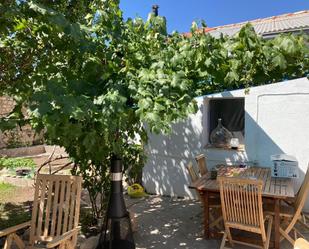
(117, 230)
(155, 9)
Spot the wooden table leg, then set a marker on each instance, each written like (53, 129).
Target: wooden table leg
(206, 215)
(277, 223)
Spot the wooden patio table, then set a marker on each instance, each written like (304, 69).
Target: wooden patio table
(276, 189)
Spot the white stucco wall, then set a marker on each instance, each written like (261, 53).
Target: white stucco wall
(276, 121)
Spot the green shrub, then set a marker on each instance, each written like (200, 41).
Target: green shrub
(15, 163)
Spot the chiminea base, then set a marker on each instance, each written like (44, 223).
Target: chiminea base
(119, 244)
(117, 229)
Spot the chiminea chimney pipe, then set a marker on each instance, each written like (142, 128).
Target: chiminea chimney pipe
(155, 9)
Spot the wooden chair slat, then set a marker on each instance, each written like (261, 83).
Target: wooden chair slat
(34, 211)
(48, 207)
(261, 217)
(226, 212)
(230, 212)
(249, 204)
(55, 207)
(72, 205)
(256, 206)
(67, 206)
(237, 206)
(247, 207)
(41, 208)
(193, 175)
(201, 162)
(231, 199)
(242, 206)
(250, 211)
(251, 208)
(77, 207)
(60, 207)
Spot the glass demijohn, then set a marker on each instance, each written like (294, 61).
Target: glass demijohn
(220, 136)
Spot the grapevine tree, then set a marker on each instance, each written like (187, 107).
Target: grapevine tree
(92, 80)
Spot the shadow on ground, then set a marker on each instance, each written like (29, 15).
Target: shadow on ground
(12, 214)
(174, 224)
(167, 223)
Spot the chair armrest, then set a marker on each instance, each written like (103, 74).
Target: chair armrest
(14, 228)
(60, 239)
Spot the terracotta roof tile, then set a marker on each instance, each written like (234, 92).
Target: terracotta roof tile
(266, 26)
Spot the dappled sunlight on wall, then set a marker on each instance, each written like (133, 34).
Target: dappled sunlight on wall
(166, 176)
(165, 171)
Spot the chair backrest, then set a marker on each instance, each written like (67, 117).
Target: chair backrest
(192, 172)
(241, 201)
(201, 163)
(56, 206)
(194, 176)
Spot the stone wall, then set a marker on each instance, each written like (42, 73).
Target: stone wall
(19, 137)
(6, 105)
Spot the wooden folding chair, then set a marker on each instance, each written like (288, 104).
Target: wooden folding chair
(214, 202)
(242, 209)
(301, 244)
(292, 215)
(55, 214)
(305, 215)
(201, 163)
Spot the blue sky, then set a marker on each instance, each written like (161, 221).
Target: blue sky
(181, 13)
